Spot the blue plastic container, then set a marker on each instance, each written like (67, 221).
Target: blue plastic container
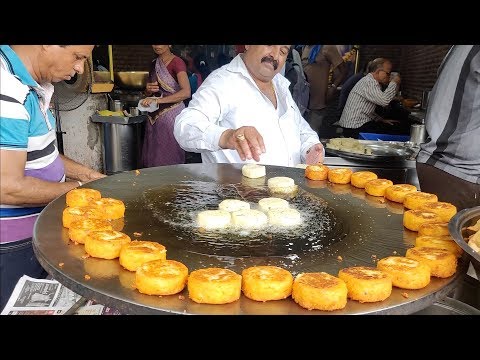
(384, 137)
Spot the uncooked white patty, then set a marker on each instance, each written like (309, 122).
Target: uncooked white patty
(270, 203)
(249, 219)
(233, 205)
(253, 171)
(213, 219)
(281, 184)
(284, 217)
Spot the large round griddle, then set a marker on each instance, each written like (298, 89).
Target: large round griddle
(342, 227)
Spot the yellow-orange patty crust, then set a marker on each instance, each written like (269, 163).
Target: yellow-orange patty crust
(263, 283)
(137, 252)
(214, 286)
(320, 291)
(366, 284)
(161, 277)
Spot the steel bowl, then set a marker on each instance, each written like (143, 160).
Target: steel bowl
(458, 227)
(135, 80)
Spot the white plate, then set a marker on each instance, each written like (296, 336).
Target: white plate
(151, 108)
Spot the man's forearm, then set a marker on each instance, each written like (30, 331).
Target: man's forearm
(77, 171)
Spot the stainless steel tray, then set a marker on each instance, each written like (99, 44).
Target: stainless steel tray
(458, 229)
(343, 227)
(381, 151)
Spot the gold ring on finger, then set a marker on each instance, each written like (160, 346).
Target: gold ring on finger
(241, 137)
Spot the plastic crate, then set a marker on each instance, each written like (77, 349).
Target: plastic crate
(384, 137)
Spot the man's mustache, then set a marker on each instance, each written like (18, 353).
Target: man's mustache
(270, 60)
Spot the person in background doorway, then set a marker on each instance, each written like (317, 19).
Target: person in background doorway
(168, 86)
(223, 59)
(359, 113)
(32, 170)
(245, 112)
(448, 163)
(317, 62)
(201, 63)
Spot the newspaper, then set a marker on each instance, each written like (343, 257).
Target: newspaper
(48, 297)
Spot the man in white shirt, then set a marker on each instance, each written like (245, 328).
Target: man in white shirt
(245, 111)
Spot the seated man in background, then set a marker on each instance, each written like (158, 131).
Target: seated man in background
(349, 84)
(244, 110)
(359, 112)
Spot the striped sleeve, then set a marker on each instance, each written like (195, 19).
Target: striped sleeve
(374, 93)
(14, 118)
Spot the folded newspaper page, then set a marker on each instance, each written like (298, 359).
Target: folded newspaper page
(48, 297)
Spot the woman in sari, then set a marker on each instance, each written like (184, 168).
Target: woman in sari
(168, 86)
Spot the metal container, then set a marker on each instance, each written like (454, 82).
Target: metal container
(134, 111)
(418, 134)
(425, 97)
(116, 105)
(122, 142)
(134, 80)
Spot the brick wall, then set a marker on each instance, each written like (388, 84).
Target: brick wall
(132, 57)
(419, 68)
(417, 64)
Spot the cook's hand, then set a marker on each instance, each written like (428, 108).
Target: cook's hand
(314, 155)
(152, 87)
(91, 175)
(246, 140)
(147, 101)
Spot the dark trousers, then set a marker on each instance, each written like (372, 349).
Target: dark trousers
(402, 128)
(17, 259)
(463, 194)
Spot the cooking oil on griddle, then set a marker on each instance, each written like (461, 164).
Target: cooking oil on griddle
(176, 206)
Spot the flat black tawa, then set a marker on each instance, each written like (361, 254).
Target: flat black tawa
(342, 227)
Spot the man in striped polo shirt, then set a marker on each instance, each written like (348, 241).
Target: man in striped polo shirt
(359, 115)
(32, 170)
(448, 164)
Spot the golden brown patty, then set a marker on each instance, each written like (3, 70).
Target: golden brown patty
(366, 284)
(340, 175)
(80, 228)
(413, 219)
(137, 252)
(320, 291)
(71, 214)
(113, 208)
(263, 283)
(377, 187)
(434, 229)
(214, 286)
(444, 209)
(405, 273)
(398, 192)
(105, 244)
(442, 263)
(415, 200)
(161, 277)
(82, 197)
(316, 172)
(360, 178)
(439, 242)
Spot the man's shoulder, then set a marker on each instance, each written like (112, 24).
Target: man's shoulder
(12, 87)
